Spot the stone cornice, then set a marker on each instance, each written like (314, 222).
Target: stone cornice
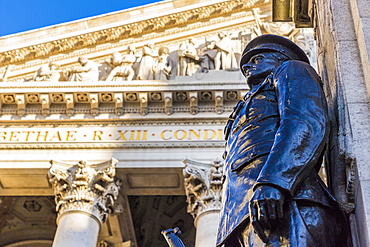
(110, 145)
(141, 30)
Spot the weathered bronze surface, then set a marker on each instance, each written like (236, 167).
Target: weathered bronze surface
(276, 138)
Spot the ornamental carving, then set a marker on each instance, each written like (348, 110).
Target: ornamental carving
(131, 96)
(91, 188)
(206, 96)
(106, 97)
(57, 97)
(9, 98)
(232, 95)
(181, 96)
(82, 97)
(32, 206)
(33, 98)
(156, 96)
(203, 184)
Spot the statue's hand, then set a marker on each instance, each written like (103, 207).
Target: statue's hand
(266, 208)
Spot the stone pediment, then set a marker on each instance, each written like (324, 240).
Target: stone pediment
(166, 24)
(116, 26)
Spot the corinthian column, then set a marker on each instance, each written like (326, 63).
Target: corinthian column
(203, 190)
(84, 195)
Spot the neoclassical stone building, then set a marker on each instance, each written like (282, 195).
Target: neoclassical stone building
(112, 126)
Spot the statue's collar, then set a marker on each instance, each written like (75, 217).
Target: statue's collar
(257, 88)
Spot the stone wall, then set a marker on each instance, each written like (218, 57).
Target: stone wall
(343, 64)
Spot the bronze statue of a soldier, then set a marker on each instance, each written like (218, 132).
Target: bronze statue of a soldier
(276, 137)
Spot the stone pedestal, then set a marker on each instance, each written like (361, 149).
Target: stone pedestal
(203, 190)
(84, 194)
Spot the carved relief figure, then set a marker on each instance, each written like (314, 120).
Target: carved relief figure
(124, 71)
(41, 73)
(276, 137)
(162, 69)
(106, 67)
(225, 58)
(6, 73)
(145, 71)
(237, 45)
(48, 72)
(131, 56)
(187, 57)
(208, 57)
(88, 71)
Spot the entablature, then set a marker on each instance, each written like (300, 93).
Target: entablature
(121, 100)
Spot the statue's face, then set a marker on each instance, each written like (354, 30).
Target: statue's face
(259, 67)
(82, 60)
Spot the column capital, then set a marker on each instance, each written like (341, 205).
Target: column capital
(203, 185)
(85, 187)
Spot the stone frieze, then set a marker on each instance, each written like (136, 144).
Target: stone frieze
(131, 30)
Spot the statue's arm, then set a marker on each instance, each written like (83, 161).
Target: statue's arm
(86, 68)
(303, 130)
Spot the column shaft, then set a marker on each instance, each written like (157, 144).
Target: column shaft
(77, 229)
(207, 227)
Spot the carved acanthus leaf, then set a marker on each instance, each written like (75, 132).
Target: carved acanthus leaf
(203, 186)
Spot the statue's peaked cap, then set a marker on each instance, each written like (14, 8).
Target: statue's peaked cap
(270, 42)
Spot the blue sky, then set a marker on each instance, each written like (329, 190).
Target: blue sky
(23, 15)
